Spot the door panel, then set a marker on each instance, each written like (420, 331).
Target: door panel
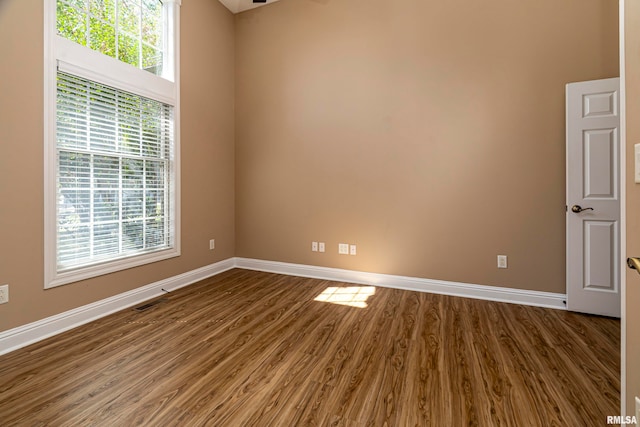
(601, 243)
(593, 182)
(599, 162)
(603, 104)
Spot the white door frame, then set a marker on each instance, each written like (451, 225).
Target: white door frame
(623, 214)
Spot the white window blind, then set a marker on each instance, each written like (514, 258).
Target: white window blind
(114, 151)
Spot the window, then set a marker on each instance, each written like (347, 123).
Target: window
(128, 30)
(111, 136)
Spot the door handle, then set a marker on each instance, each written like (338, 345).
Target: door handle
(634, 263)
(578, 209)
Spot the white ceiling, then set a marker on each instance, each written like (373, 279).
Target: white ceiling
(237, 6)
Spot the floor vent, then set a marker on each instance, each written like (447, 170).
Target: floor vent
(149, 304)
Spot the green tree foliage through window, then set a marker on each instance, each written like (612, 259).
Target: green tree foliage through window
(128, 30)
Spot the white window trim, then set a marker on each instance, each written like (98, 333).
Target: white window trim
(62, 54)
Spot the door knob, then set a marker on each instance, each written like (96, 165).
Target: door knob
(634, 263)
(578, 209)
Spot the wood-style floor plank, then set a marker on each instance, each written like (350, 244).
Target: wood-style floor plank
(256, 349)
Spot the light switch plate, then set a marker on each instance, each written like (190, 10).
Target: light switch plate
(636, 152)
(343, 248)
(638, 408)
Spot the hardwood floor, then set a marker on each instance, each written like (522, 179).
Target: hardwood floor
(255, 349)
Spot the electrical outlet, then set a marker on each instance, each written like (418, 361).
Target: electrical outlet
(212, 244)
(343, 248)
(502, 261)
(352, 249)
(4, 294)
(321, 246)
(314, 246)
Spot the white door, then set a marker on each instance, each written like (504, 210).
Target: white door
(630, 39)
(593, 197)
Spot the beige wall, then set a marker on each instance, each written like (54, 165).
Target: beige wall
(207, 156)
(429, 133)
(632, 77)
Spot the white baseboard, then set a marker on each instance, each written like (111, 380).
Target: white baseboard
(467, 290)
(22, 336)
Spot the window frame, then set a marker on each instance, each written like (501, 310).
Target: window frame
(64, 55)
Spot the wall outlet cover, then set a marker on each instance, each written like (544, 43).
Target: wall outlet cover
(314, 246)
(502, 261)
(212, 244)
(321, 246)
(4, 294)
(352, 250)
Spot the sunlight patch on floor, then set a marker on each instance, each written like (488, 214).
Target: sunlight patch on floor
(353, 296)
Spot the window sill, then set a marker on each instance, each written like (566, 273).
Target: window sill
(96, 270)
